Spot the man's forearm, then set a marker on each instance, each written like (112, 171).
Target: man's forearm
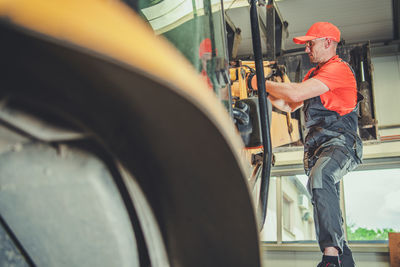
(286, 91)
(294, 92)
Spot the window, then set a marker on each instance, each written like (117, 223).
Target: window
(297, 215)
(287, 212)
(372, 201)
(269, 232)
(289, 215)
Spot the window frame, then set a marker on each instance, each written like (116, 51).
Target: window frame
(290, 202)
(297, 169)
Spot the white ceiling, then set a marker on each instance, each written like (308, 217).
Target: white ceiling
(358, 20)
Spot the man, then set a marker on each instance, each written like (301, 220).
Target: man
(332, 146)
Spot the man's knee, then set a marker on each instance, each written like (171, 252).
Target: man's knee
(324, 175)
(330, 167)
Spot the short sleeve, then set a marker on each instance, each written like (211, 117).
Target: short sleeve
(308, 74)
(336, 75)
(342, 94)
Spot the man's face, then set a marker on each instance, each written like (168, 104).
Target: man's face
(316, 50)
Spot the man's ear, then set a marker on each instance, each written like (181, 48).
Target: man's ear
(328, 43)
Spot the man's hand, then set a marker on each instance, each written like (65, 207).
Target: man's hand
(283, 105)
(279, 103)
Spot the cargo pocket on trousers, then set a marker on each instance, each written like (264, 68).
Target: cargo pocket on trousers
(333, 164)
(341, 157)
(344, 161)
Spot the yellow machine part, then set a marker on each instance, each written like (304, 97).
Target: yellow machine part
(284, 129)
(240, 74)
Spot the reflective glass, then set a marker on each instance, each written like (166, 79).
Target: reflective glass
(297, 220)
(372, 201)
(269, 232)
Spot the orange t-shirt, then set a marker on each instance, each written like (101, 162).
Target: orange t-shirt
(337, 75)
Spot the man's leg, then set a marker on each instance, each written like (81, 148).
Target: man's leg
(324, 188)
(328, 218)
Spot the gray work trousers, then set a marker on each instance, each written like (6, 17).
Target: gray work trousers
(324, 186)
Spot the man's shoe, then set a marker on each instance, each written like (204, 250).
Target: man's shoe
(346, 258)
(327, 264)
(330, 261)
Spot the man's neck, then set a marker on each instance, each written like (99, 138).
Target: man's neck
(326, 60)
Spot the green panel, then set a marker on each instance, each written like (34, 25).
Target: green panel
(197, 30)
(187, 37)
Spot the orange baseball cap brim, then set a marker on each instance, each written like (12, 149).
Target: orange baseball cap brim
(304, 39)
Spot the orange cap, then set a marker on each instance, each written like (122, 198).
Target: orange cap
(319, 30)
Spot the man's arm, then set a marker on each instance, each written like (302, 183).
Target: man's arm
(296, 92)
(283, 105)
